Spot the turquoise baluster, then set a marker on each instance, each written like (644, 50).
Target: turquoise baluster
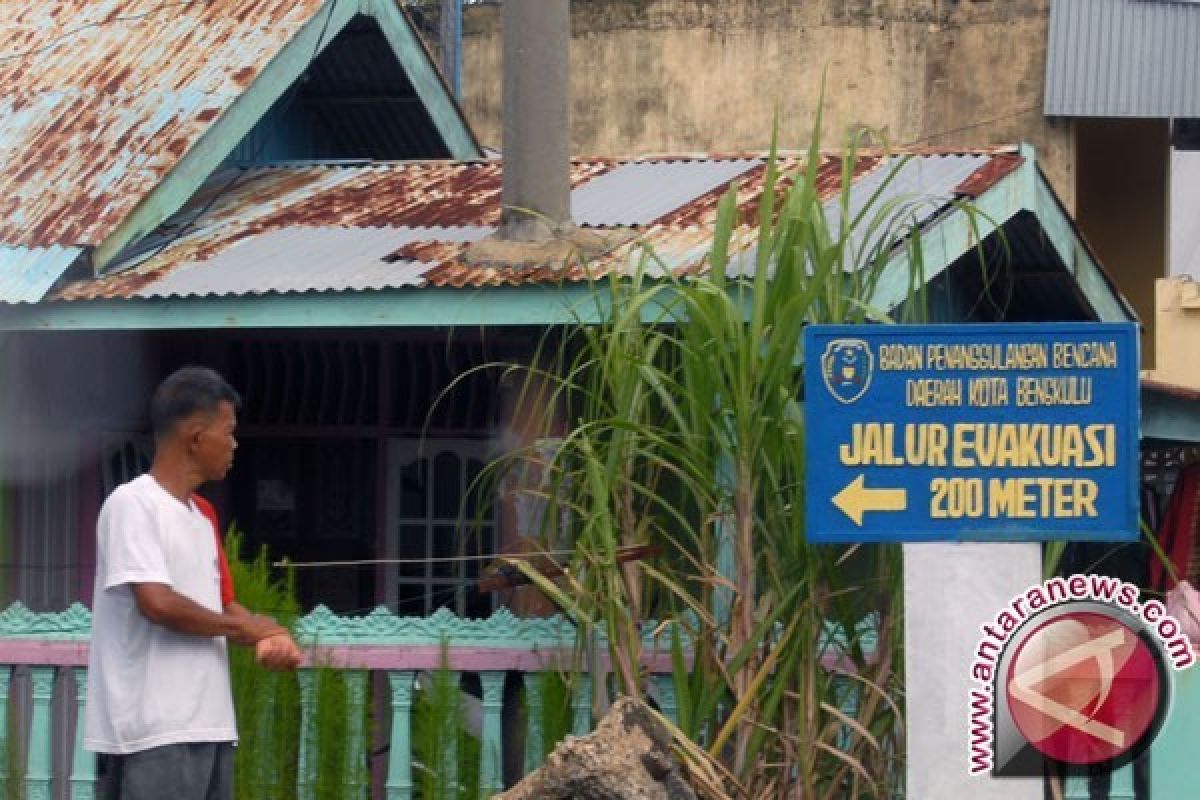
(581, 702)
(5, 682)
(83, 763)
(399, 780)
(305, 777)
(491, 771)
(356, 749)
(1076, 787)
(668, 698)
(1121, 787)
(535, 741)
(38, 766)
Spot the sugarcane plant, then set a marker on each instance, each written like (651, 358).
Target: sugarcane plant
(676, 423)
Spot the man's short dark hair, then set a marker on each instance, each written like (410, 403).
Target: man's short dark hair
(185, 392)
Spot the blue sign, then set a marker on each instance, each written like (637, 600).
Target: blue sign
(971, 432)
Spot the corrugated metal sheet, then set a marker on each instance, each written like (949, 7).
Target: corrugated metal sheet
(26, 274)
(307, 259)
(641, 192)
(917, 188)
(1123, 58)
(102, 97)
(294, 229)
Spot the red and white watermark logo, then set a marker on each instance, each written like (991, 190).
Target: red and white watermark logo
(1073, 671)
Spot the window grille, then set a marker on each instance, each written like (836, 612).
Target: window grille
(433, 515)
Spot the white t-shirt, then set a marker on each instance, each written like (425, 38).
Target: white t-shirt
(149, 686)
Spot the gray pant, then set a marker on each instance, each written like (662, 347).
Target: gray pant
(200, 771)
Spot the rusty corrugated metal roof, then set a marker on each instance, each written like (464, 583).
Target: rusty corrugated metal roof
(435, 209)
(102, 97)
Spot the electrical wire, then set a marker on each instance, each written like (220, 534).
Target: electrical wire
(371, 562)
(972, 126)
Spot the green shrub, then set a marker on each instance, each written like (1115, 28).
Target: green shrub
(445, 754)
(268, 703)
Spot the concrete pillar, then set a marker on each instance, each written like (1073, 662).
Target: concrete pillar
(950, 590)
(537, 157)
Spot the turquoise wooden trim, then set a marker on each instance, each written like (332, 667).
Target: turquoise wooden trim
(38, 764)
(74, 624)
(1165, 416)
(491, 771)
(502, 630)
(535, 741)
(399, 779)
(581, 704)
(306, 767)
(668, 697)
(5, 684)
(396, 308)
(83, 763)
(356, 745)
(426, 80)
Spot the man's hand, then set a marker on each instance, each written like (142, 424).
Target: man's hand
(254, 628)
(278, 652)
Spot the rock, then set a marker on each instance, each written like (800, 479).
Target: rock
(627, 757)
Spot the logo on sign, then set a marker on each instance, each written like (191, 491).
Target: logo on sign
(846, 366)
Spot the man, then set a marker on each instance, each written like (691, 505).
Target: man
(159, 698)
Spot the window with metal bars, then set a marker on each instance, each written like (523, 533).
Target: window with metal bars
(436, 526)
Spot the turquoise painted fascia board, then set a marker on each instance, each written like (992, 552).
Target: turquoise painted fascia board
(417, 307)
(425, 78)
(1171, 418)
(1064, 237)
(215, 145)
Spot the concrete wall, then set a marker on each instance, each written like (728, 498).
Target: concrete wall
(1121, 206)
(709, 75)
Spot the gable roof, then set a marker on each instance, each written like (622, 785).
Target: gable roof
(384, 244)
(115, 111)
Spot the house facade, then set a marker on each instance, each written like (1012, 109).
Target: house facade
(288, 193)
